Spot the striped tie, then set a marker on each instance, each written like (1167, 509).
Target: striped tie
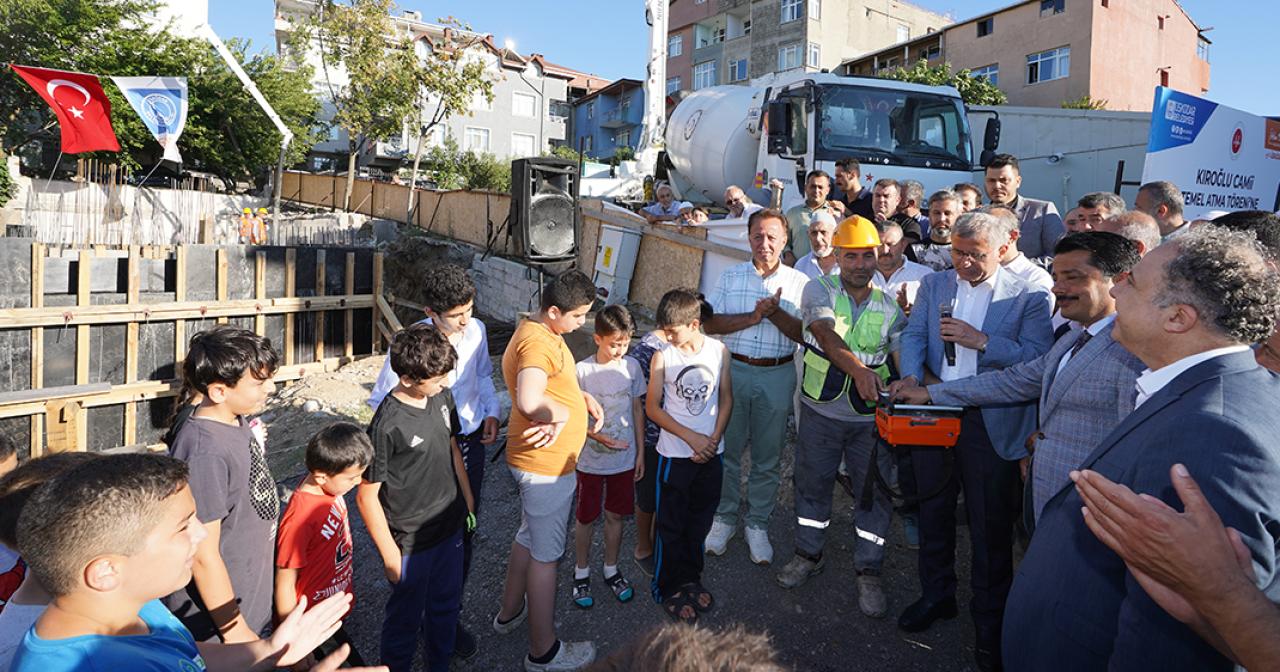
(1080, 341)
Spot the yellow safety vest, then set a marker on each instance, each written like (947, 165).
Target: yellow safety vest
(868, 339)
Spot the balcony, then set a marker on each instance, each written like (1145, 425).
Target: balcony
(616, 118)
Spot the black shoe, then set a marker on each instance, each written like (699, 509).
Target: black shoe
(986, 650)
(920, 615)
(464, 644)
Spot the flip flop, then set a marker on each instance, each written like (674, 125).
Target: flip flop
(674, 606)
(695, 592)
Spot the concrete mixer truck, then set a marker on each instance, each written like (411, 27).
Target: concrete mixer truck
(788, 124)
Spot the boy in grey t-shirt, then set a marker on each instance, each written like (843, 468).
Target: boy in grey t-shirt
(230, 593)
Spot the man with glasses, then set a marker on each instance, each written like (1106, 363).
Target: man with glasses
(740, 207)
(975, 318)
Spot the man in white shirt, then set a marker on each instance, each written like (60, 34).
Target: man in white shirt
(1014, 260)
(897, 276)
(821, 259)
(739, 205)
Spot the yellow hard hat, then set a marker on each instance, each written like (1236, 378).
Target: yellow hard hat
(856, 231)
(248, 211)
(262, 211)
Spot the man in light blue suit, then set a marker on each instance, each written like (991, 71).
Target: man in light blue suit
(1188, 310)
(997, 320)
(1084, 384)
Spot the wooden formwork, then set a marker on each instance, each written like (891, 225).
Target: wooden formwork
(330, 308)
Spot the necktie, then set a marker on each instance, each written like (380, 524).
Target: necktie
(1080, 341)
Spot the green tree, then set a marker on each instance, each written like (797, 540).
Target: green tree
(562, 152)
(226, 133)
(370, 70)
(1084, 103)
(452, 168)
(973, 90)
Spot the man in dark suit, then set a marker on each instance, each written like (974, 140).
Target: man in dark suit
(1188, 310)
(997, 320)
(1084, 383)
(1041, 225)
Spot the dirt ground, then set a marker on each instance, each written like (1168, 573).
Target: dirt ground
(817, 627)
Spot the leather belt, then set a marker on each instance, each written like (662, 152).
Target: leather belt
(766, 361)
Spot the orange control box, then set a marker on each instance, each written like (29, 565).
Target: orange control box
(904, 425)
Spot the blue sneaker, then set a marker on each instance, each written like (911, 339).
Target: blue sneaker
(582, 593)
(620, 586)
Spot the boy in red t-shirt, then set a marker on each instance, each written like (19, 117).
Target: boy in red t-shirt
(313, 545)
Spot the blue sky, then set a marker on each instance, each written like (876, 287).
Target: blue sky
(613, 42)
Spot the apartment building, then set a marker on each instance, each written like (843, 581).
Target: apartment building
(609, 119)
(1044, 52)
(530, 112)
(712, 42)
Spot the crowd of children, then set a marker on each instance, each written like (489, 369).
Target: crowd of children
(184, 561)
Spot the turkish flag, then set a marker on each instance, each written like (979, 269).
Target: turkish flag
(84, 113)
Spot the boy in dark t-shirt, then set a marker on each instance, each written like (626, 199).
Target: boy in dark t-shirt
(416, 501)
(229, 595)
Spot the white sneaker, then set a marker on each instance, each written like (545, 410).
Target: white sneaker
(719, 536)
(758, 546)
(511, 625)
(571, 656)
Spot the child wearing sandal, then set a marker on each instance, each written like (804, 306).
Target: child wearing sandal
(690, 397)
(612, 460)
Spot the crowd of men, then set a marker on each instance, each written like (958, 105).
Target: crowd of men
(1106, 364)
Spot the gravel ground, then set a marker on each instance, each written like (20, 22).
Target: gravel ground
(815, 627)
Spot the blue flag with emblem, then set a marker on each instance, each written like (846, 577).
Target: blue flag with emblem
(161, 102)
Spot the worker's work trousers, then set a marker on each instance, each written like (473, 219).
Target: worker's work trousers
(821, 445)
(761, 403)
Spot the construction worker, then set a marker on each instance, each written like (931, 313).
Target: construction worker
(260, 230)
(246, 225)
(851, 330)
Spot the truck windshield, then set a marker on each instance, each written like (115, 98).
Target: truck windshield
(884, 126)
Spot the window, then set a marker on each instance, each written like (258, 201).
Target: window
(904, 33)
(434, 137)
(1049, 65)
(931, 52)
(591, 110)
(560, 109)
(1051, 7)
(673, 85)
(476, 139)
(1160, 22)
(675, 45)
(480, 102)
(704, 75)
(1202, 49)
(1164, 78)
(738, 70)
(991, 73)
(986, 26)
(791, 10)
(626, 105)
(815, 9)
(622, 139)
(788, 57)
(746, 27)
(522, 145)
(586, 144)
(815, 55)
(524, 105)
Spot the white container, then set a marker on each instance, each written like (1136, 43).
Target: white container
(616, 262)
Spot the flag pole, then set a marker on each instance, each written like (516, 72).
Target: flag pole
(54, 170)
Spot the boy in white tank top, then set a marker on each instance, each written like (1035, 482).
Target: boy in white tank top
(690, 398)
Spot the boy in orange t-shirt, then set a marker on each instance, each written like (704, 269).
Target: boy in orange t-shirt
(313, 545)
(547, 430)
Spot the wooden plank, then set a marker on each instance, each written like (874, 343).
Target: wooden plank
(222, 280)
(68, 428)
(377, 291)
(83, 279)
(38, 252)
(319, 319)
(673, 236)
(179, 295)
(131, 344)
(349, 318)
(389, 315)
(26, 318)
(46, 394)
(290, 289)
(260, 290)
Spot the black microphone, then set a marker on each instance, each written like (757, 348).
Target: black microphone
(944, 311)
